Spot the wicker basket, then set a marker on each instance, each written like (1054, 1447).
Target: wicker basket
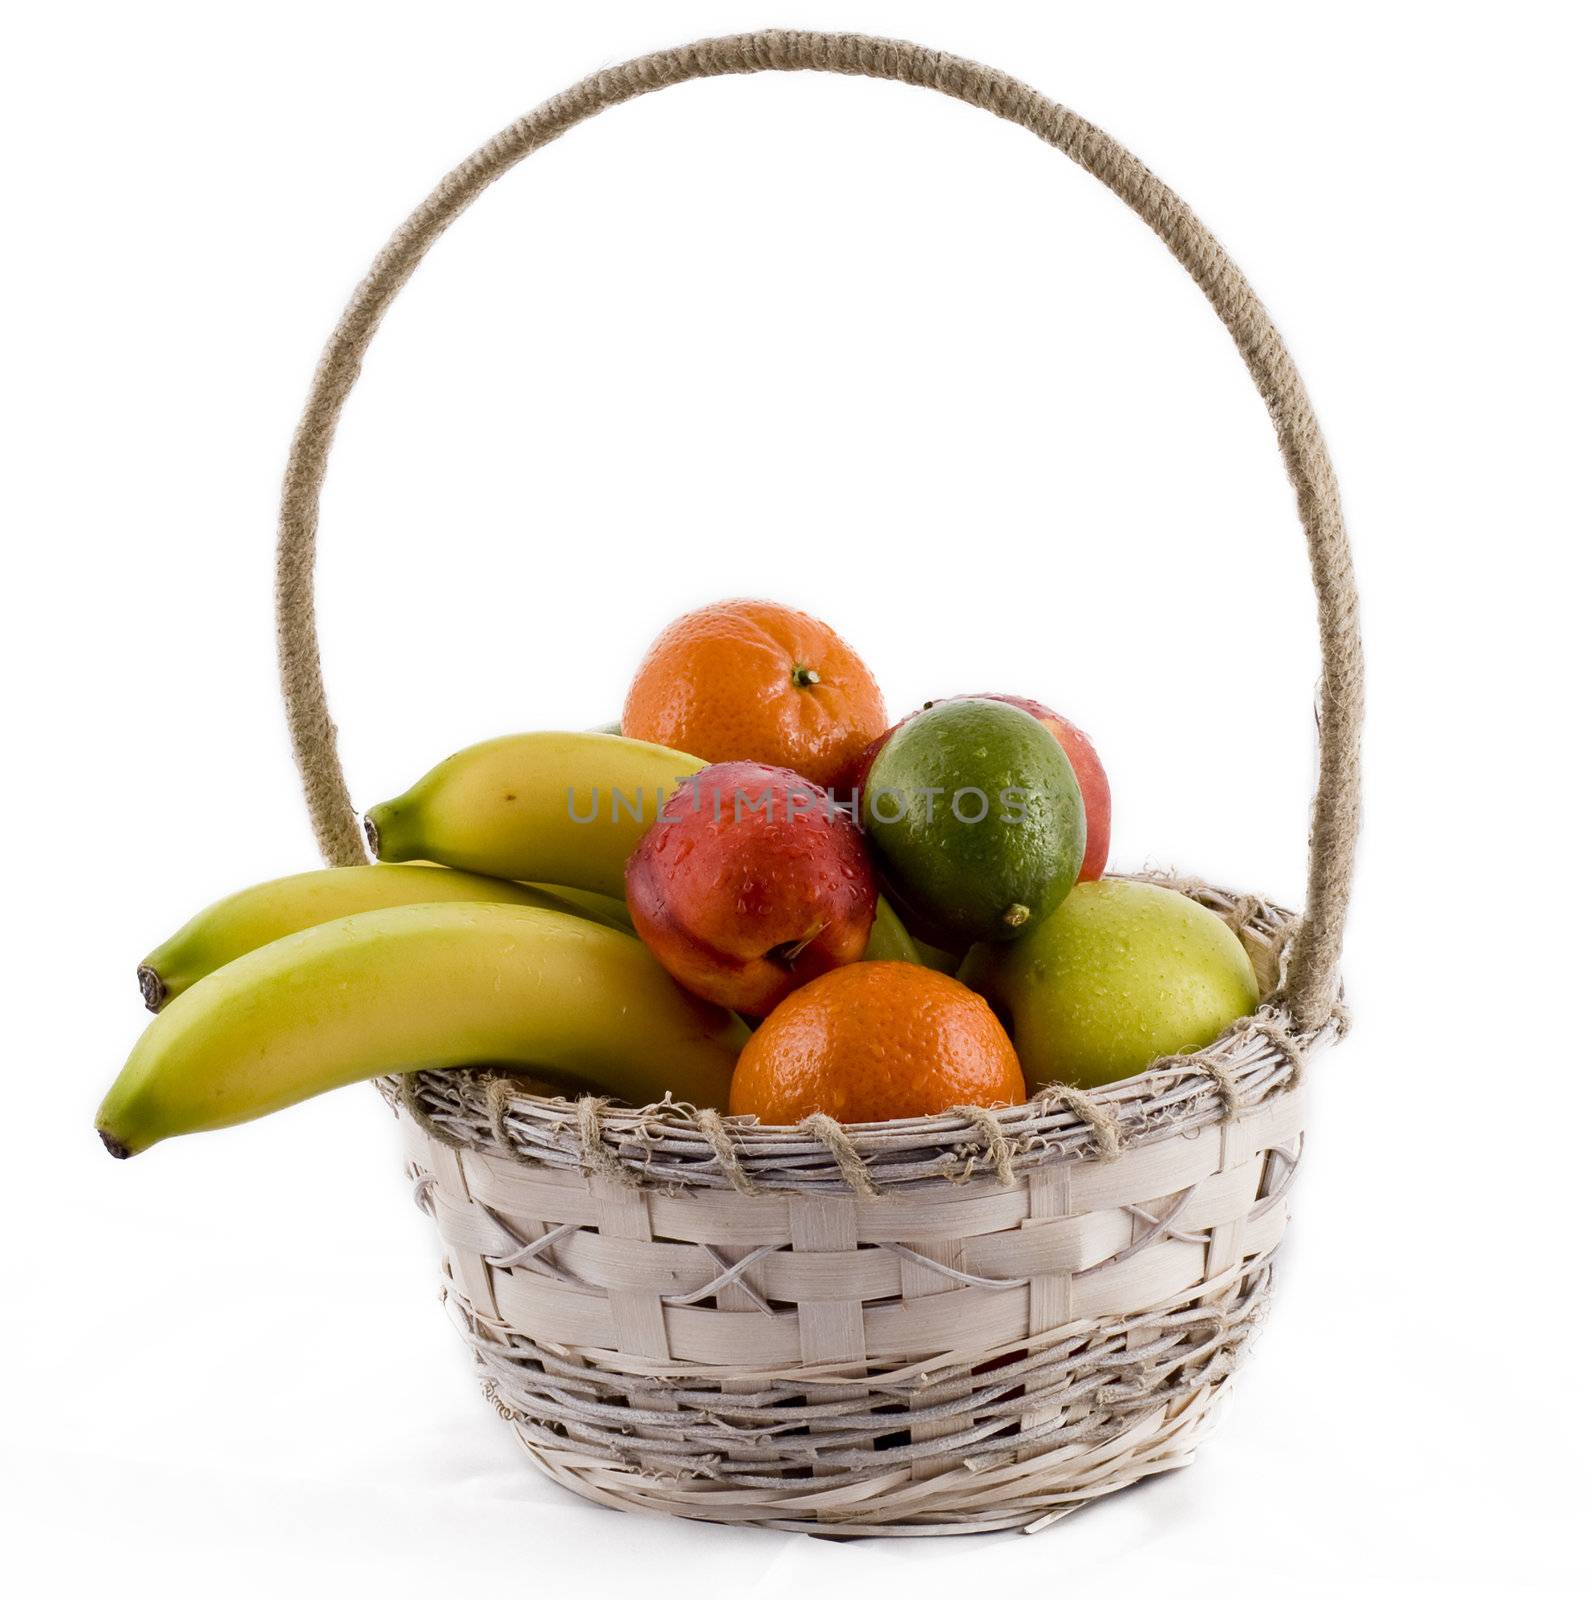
(973, 1321)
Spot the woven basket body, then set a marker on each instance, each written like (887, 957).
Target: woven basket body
(1013, 1314)
(967, 1356)
(977, 1320)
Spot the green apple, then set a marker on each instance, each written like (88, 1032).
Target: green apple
(1120, 974)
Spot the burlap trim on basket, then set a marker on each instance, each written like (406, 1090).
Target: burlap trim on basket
(677, 1146)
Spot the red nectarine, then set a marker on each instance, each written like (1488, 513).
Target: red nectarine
(750, 883)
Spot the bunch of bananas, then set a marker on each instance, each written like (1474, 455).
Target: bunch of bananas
(504, 943)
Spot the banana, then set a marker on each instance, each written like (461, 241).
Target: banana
(561, 808)
(586, 903)
(411, 987)
(244, 921)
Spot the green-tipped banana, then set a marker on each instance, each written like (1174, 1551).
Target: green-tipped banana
(268, 911)
(562, 808)
(412, 987)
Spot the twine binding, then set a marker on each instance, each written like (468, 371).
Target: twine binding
(999, 1153)
(850, 1163)
(594, 1157)
(1104, 1125)
(715, 1131)
(673, 1145)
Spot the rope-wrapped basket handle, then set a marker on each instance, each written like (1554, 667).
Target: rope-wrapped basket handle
(1309, 989)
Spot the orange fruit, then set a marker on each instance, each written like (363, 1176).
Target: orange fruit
(749, 680)
(873, 1041)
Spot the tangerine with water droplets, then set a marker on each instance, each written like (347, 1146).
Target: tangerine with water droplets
(874, 1041)
(750, 680)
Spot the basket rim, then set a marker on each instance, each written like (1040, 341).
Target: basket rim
(674, 1145)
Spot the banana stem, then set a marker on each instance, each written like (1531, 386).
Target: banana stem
(152, 986)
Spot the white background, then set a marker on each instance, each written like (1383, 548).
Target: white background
(873, 353)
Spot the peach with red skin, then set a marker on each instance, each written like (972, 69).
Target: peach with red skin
(1093, 781)
(749, 884)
